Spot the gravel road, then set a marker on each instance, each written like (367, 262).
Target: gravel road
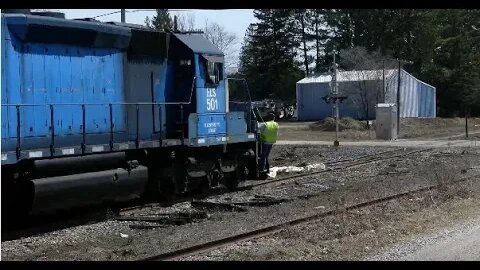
(460, 242)
(396, 143)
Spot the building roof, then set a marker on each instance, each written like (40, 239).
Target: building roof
(199, 44)
(350, 76)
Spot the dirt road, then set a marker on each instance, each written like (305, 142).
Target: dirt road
(397, 143)
(461, 242)
(354, 130)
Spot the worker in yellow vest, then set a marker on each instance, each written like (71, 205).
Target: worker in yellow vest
(268, 134)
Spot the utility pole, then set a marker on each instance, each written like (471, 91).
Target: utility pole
(398, 99)
(335, 94)
(398, 92)
(122, 12)
(175, 23)
(383, 80)
(467, 112)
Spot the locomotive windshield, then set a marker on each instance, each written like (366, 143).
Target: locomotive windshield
(213, 69)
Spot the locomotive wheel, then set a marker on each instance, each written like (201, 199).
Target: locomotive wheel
(242, 172)
(203, 188)
(253, 170)
(166, 190)
(231, 181)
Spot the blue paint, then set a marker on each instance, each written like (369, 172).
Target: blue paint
(236, 124)
(37, 70)
(210, 102)
(59, 74)
(211, 125)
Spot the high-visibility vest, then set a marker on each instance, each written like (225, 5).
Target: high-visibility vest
(270, 133)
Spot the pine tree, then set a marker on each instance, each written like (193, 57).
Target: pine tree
(268, 54)
(303, 20)
(161, 21)
(444, 46)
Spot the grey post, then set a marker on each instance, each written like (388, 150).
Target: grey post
(398, 92)
(335, 94)
(122, 12)
(398, 99)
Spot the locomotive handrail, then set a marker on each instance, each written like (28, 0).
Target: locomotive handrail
(84, 108)
(251, 109)
(108, 103)
(99, 104)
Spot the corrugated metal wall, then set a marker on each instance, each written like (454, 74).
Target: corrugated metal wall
(408, 96)
(311, 106)
(427, 100)
(417, 99)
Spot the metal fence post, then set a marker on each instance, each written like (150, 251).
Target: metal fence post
(18, 132)
(181, 122)
(52, 122)
(83, 129)
(111, 126)
(137, 140)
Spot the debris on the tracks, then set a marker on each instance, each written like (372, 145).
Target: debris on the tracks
(145, 226)
(304, 167)
(177, 217)
(123, 235)
(265, 201)
(168, 219)
(217, 205)
(397, 171)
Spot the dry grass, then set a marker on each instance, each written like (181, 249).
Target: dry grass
(350, 129)
(356, 233)
(347, 123)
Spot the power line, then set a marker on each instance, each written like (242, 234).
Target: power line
(176, 10)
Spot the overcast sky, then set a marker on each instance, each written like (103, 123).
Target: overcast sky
(234, 20)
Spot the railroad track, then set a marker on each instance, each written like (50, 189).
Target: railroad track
(333, 165)
(53, 224)
(268, 230)
(341, 165)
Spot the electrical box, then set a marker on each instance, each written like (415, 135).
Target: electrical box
(386, 122)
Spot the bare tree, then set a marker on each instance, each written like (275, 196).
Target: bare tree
(186, 22)
(225, 41)
(367, 82)
(215, 33)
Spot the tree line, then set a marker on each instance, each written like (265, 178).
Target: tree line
(285, 45)
(214, 32)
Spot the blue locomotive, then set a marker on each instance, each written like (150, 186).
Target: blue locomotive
(95, 112)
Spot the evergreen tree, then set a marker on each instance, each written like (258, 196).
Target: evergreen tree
(268, 54)
(444, 46)
(161, 21)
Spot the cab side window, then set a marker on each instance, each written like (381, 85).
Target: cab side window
(213, 72)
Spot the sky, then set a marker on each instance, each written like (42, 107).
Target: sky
(233, 20)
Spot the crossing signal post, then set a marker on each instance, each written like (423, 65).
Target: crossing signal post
(335, 98)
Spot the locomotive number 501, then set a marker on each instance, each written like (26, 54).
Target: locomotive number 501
(212, 102)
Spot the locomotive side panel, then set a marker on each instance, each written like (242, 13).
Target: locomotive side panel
(145, 82)
(49, 77)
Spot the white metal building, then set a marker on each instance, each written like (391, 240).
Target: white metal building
(365, 88)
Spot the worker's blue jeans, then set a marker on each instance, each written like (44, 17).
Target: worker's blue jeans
(264, 165)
